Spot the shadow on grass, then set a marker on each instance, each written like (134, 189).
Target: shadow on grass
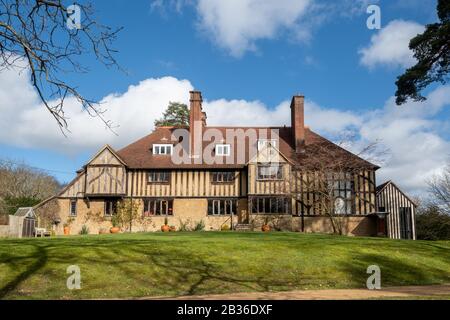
(180, 264)
(394, 271)
(40, 258)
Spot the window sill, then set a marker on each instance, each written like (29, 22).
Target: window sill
(157, 182)
(223, 182)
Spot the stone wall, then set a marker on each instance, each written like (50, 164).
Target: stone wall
(192, 211)
(351, 226)
(185, 211)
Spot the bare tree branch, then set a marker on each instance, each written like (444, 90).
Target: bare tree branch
(34, 36)
(439, 188)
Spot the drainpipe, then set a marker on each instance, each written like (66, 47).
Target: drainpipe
(303, 217)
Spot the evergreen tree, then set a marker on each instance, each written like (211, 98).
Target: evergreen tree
(176, 114)
(431, 49)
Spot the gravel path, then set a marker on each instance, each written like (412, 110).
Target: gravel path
(329, 294)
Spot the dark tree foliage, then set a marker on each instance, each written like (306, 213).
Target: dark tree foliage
(432, 224)
(13, 204)
(431, 49)
(176, 114)
(36, 35)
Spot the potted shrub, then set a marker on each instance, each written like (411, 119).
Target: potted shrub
(225, 227)
(165, 227)
(67, 226)
(265, 227)
(115, 225)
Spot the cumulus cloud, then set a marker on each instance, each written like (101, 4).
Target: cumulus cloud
(256, 113)
(236, 25)
(390, 46)
(26, 123)
(412, 132)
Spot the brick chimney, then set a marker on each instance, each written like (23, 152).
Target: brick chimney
(298, 122)
(197, 120)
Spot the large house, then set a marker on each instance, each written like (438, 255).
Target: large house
(288, 177)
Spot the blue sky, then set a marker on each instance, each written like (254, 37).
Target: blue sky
(245, 60)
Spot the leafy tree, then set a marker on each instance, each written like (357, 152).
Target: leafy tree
(12, 204)
(127, 213)
(432, 224)
(176, 114)
(431, 49)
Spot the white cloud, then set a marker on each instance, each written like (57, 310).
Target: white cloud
(26, 123)
(390, 46)
(236, 25)
(255, 113)
(411, 132)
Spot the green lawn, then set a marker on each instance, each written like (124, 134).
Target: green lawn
(157, 264)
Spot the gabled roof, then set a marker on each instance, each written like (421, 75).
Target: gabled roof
(384, 185)
(110, 149)
(25, 212)
(138, 155)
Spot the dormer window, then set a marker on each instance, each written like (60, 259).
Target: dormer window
(223, 150)
(162, 149)
(263, 143)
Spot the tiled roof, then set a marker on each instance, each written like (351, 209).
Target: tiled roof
(138, 155)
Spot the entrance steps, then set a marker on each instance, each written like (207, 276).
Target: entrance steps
(243, 227)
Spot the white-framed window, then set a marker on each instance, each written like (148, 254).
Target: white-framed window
(263, 143)
(270, 172)
(223, 149)
(162, 149)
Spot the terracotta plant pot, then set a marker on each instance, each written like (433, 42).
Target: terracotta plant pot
(66, 231)
(165, 228)
(114, 230)
(172, 229)
(265, 228)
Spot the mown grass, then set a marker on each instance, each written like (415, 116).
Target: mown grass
(157, 264)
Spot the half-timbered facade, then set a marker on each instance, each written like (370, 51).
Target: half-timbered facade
(234, 176)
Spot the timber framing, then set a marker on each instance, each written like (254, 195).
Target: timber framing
(300, 158)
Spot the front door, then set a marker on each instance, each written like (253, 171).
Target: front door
(405, 223)
(243, 216)
(28, 227)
